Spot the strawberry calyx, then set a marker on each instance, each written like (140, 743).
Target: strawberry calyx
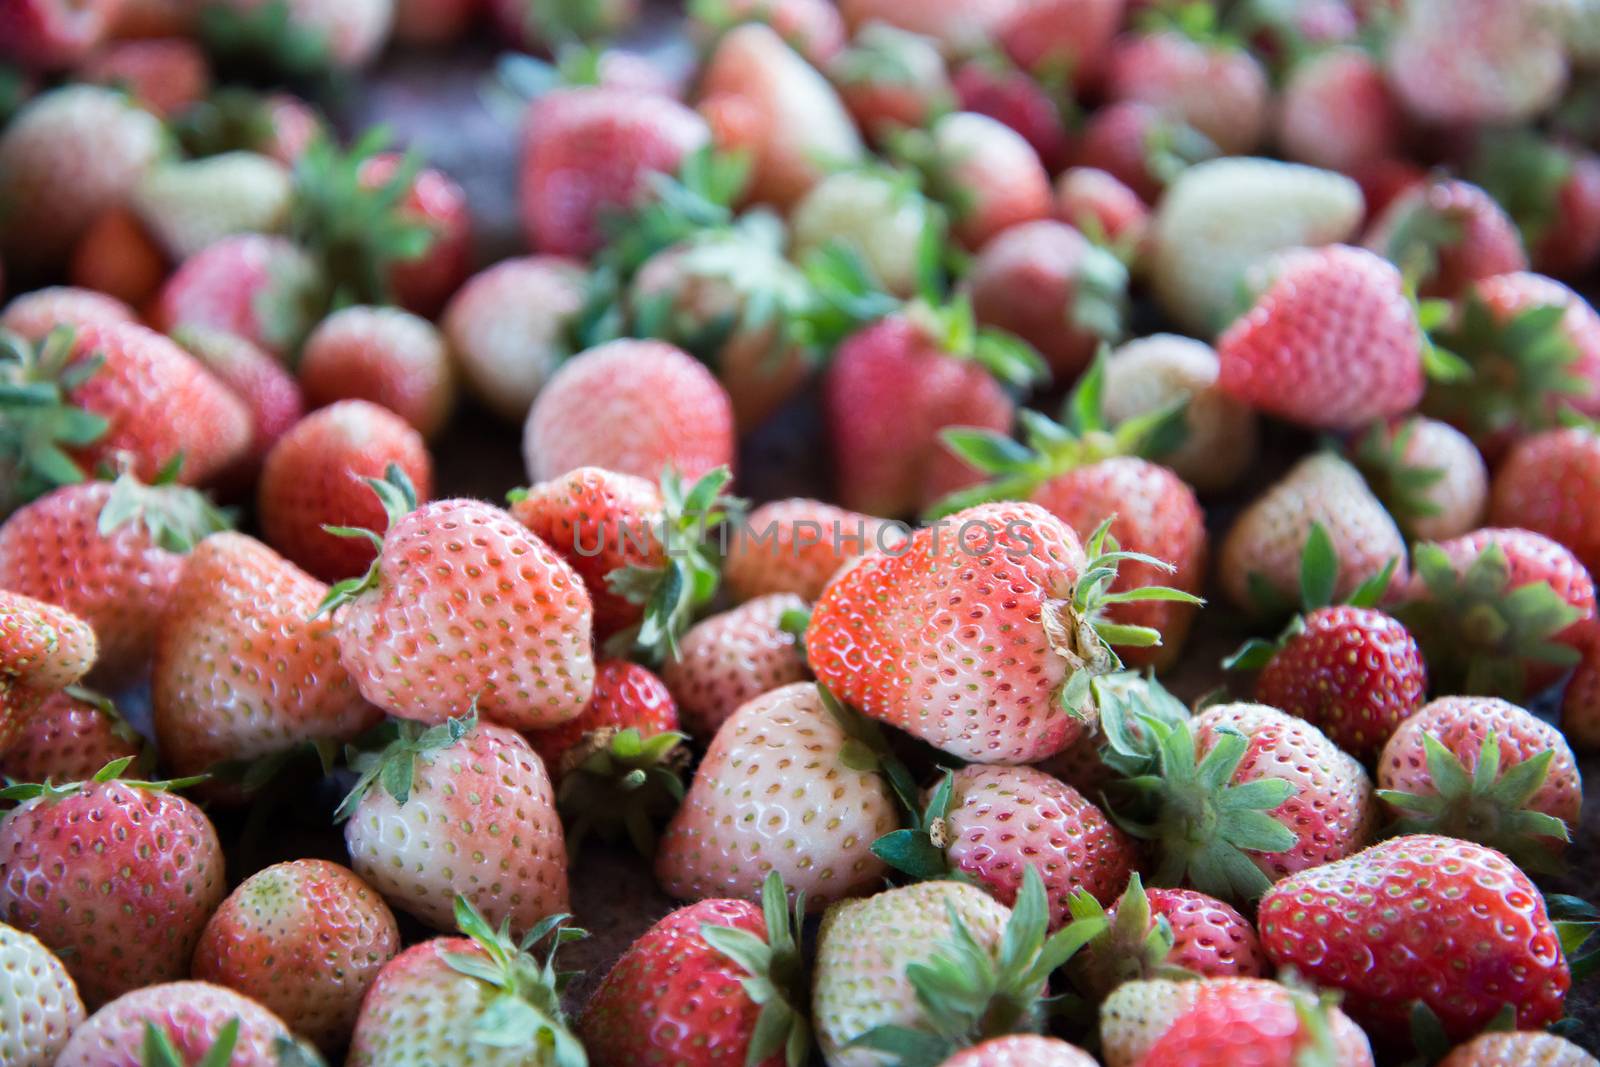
(38, 425)
(672, 209)
(231, 119)
(883, 55)
(844, 296)
(158, 1049)
(775, 974)
(1195, 20)
(392, 764)
(1132, 944)
(1476, 633)
(1100, 294)
(616, 782)
(866, 750)
(174, 517)
(52, 791)
(969, 993)
(1403, 486)
(1524, 172)
(399, 499)
(1484, 804)
(1172, 146)
(525, 1010)
(919, 850)
(954, 329)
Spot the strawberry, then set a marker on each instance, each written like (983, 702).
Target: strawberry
(422, 284)
(727, 660)
(589, 150)
(182, 1022)
(433, 22)
(760, 97)
(1533, 346)
(1528, 1048)
(983, 171)
(70, 735)
(110, 553)
(268, 392)
(275, 124)
(988, 825)
(482, 997)
(814, 820)
(508, 328)
(32, 316)
(924, 971)
(878, 215)
(1147, 376)
(234, 631)
(634, 407)
(315, 477)
(1217, 89)
(1337, 112)
(304, 37)
(1474, 61)
(43, 646)
(1456, 925)
(1237, 1024)
(117, 256)
(960, 26)
(166, 75)
(41, 1003)
(305, 940)
(992, 86)
(1260, 561)
(54, 34)
(1021, 1050)
(83, 866)
(1161, 933)
(1446, 235)
(890, 78)
(1498, 612)
(187, 205)
(1332, 342)
(1046, 283)
(261, 287)
(535, 26)
(1551, 190)
(1244, 795)
(797, 545)
(382, 354)
(466, 789)
(1221, 216)
(1544, 486)
(716, 983)
(526, 660)
(1428, 474)
(1483, 770)
(1104, 209)
(1053, 38)
(813, 28)
(68, 155)
(1141, 146)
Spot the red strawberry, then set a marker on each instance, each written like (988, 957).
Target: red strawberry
(1254, 1026)
(69, 736)
(890, 78)
(1061, 37)
(1218, 90)
(634, 407)
(260, 287)
(469, 790)
(1545, 485)
(774, 793)
(1332, 342)
(110, 553)
(797, 545)
(1446, 235)
(315, 476)
(1552, 190)
(117, 256)
(727, 660)
(86, 867)
(814, 28)
(508, 326)
(525, 659)
(1455, 925)
(423, 283)
(1047, 284)
(388, 356)
(54, 34)
(992, 86)
(1141, 146)
(304, 939)
(1483, 770)
(715, 984)
(1337, 112)
(1429, 475)
(988, 176)
(167, 75)
(589, 150)
(1499, 612)
(33, 315)
(1468, 62)
(239, 674)
(269, 393)
(190, 1021)
(1103, 209)
(1532, 1048)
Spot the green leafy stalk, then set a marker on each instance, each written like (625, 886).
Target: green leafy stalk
(399, 499)
(619, 783)
(775, 974)
(39, 426)
(393, 766)
(112, 771)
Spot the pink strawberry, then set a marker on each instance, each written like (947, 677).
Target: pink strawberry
(797, 545)
(774, 793)
(33, 315)
(1055, 38)
(260, 287)
(1544, 485)
(1446, 235)
(42, 646)
(189, 1021)
(305, 940)
(890, 78)
(339, 37)
(814, 28)
(54, 34)
(727, 660)
(1022, 1050)
(960, 26)
(1104, 209)
(70, 735)
(388, 356)
(1533, 1048)
(1580, 703)
(992, 86)
(1237, 1025)
(85, 866)
(422, 284)
(167, 75)
(1474, 61)
(268, 392)
(634, 407)
(1337, 112)
(1218, 90)
(1551, 190)
(984, 172)
(1141, 146)
(1429, 475)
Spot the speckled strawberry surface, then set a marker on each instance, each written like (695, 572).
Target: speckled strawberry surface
(626, 696)
(1240, 1025)
(1209, 938)
(34, 314)
(1521, 1049)
(1548, 484)
(68, 739)
(1022, 1050)
(43, 646)
(190, 1014)
(39, 1004)
(797, 545)
(733, 657)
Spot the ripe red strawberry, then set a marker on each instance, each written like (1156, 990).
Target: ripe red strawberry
(54, 34)
(41, 1005)
(69, 154)
(1446, 235)
(33, 315)
(774, 793)
(1049, 285)
(1141, 146)
(1483, 770)
(1051, 38)
(1498, 612)
(891, 78)
(261, 287)
(388, 356)
(117, 256)
(450, 998)
(508, 328)
(1249, 1026)
(315, 476)
(525, 660)
(115, 877)
(727, 660)
(1157, 933)
(1332, 342)
(760, 97)
(187, 1022)
(1337, 112)
(1260, 559)
(1530, 1048)
(634, 407)
(268, 392)
(42, 646)
(626, 696)
(1104, 209)
(983, 171)
(465, 789)
(1455, 925)
(1022, 1050)
(70, 735)
(1218, 90)
(797, 545)
(814, 28)
(717, 984)
(992, 86)
(167, 75)
(1466, 62)
(1429, 475)
(239, 674)
(422, 284)
(1545, 485)
(589, 150)
(304, 939)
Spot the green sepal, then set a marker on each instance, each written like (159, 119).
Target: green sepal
(866, 750)
(1405, 488)
(620, 783)
(918, 850)
(1134, 944)
(158, 1049)
(954, 328)
(775, 974)
(399, 498)
(38, 423)
(1524, 172)
(392, 765)
(844, 296)
(673, 209)
(174, 517)
(113, 771)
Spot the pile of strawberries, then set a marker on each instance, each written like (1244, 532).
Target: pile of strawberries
(909, 756)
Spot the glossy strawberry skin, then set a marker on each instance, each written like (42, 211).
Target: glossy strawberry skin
(191, 1014)
(1485, 241)
(728, 659)
(626, 697)
(797, 545)
(248, 284)
(66, 740)
(43, 646)
(1238, 1029)
(388, 356)
(1549, 484)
